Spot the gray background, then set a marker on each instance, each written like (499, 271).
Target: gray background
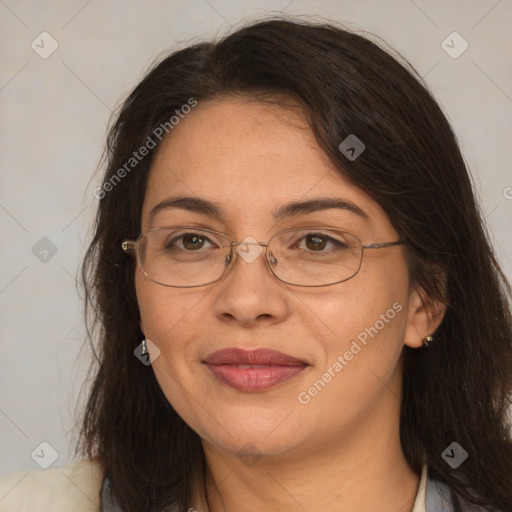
(52, 129)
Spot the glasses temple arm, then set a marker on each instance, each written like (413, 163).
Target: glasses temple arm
(380, 246)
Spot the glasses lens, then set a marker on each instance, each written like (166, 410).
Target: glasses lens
(315, 257)
(183, 256)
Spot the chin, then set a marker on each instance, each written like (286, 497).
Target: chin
(256, 435)
(253, 444)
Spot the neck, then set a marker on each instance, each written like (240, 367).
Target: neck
(364, 470)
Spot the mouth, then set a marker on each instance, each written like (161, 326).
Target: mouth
(253, 371)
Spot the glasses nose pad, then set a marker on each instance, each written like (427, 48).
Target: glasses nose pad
(227, 260)
(272, 259)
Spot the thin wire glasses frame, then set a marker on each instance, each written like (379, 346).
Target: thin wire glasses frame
(131, 245)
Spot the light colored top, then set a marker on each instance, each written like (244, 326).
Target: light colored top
(77, 488)
(421, 498)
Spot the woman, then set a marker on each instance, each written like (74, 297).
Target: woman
(296, 302)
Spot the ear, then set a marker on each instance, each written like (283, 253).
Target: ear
(423, 317)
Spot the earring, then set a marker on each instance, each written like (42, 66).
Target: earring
(427, 340)
(144, 348)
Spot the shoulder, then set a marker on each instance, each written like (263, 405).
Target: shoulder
(76, 487)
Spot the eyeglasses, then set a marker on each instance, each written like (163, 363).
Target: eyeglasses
(186, 257)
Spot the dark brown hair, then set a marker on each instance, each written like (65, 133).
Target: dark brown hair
(457, 389)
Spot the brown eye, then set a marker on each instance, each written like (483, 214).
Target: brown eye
(192, 241)
(319, 242)
(188, 242)
(315, 242)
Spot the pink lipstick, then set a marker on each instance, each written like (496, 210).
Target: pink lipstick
(255, 370)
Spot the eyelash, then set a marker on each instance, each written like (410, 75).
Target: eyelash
(336, 243)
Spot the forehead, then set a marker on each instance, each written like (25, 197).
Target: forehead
(221, 138)
(246, 156)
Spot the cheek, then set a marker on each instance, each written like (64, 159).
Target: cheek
(372, 328)
(166, 311)
(174, 319)
(171, 318)
(362, 351)
(369, 312)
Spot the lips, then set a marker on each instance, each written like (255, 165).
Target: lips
(253, 371)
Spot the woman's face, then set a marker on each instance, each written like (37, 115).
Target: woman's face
(250, 159)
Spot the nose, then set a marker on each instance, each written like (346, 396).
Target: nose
(249, 293)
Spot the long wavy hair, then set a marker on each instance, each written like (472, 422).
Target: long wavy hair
(457, 389)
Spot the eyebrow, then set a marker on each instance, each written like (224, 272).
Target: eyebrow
(293, 209)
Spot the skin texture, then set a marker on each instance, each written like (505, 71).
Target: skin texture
(340, 451)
